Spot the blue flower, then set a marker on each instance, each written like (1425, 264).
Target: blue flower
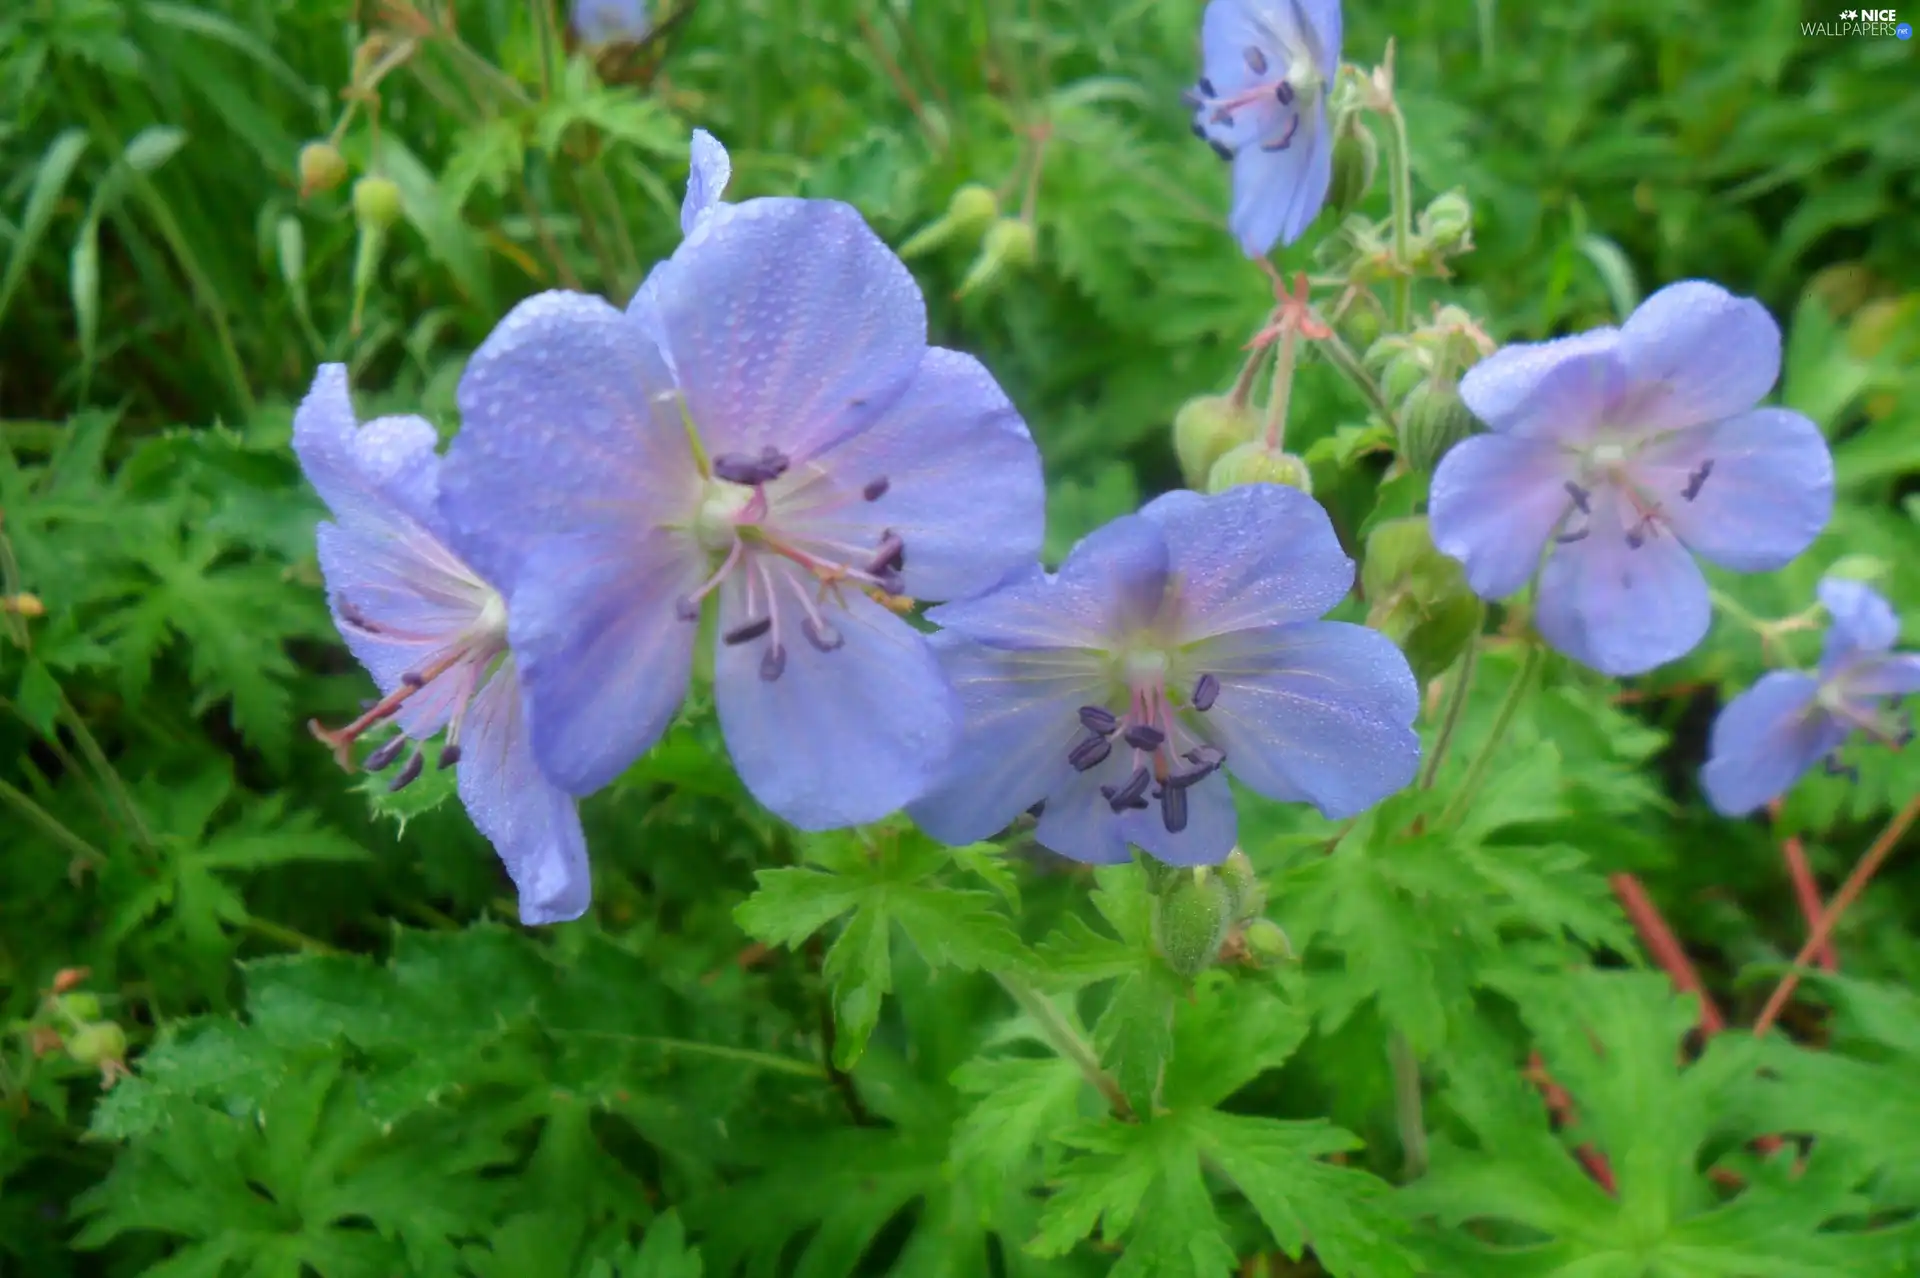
(433, 634)
(611, 21)
(1770, 735)
(763, 437)
(1267, 66)
(1624, 453)
(1172, 647)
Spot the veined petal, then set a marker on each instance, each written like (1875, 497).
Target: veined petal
(1256, 555)
(1764, 493)
(1113, 582)
(791, 326)
(1078, 823)
(1620, 608)
(366, 473)
(603, 656)
(1019, 716)
(1863, 621)
(839, 738)
(1212, 828)
(706, 180)
(959, 478)
(1764, 740)
(1277, 194)
(531, 823)
(1893, 674)
(1695, 353)
(569, 424)
(1563, 390)
(1318, 712)
(1494, 502)
(1320, 23)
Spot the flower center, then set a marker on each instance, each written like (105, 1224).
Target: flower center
(1156, 739)
(1279, 74)
(717, 520)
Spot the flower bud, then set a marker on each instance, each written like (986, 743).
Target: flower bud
(1868, 568)
(1418, 597)
(1446, 225)
(972, 209)
(1246, 894)
(322, 168)
(23, 605)
(1255, 463)
(81, 1006)
(1432, 420)
(1009, 243)
(1193, 913)
(1205, 429)
(1356, 159)
(376, 202)
(98, 1043)
(1267, 942)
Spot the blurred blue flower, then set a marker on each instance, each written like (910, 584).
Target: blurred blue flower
(433, 634)
(1267, 66)
(611, 21)
(1770, 735)
(1624, 453)
(1173, 646)
(764, 435)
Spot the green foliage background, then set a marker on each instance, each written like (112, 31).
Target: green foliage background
(347, 1060)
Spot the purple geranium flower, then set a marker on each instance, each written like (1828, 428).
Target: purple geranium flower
(611, 21)
(1267, 66)
(1629, 451)
(764, 434)
(1172, 646)
(433, 634)
(1770, 735)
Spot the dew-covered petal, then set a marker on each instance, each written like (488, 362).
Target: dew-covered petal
(1316, 712)
(1019, 716)
(790, 324)
(568, 424)
(1494, 502)
(605, 21)
(1619, 608)
(1256, 555)
(959, 480)
(1113, 581)
(1212, 826)
(1863, 621)
(1562, 390)
(1078, 822)
(843, 737)
(366, 473)
(1693, 353)
(1764, 740)
(603, 656)
(706, 180)
(1277, 194)
(1895, 674)
(532, 823)
(1766, 491)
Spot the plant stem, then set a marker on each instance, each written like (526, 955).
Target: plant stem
(745, 1055)
(1502, 720)
(50, 824)
(1408, 1109)
(1400, 158)
(286, 936)
(1067, 1040)
(1341, 356)
(1862, 873)
(1242, 391)
(1450, 713)
(1276, 427)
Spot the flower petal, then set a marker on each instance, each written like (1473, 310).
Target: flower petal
(531, 823)
(1113, 581)
(365, 473)
(1562, 390)
(963, 487)
(843, 737)
(1255, 555)
(790, 324)
(1618, 608)
(706, 179)
(1863, 621)
(1078, 823)
(1494, 502)
(1212, 828)
(603, 656)
(1896, 674)
(1693, 353)
(564, 429)
(1764, 740)
(1318, 712)
(1277, 194)
(1767, 489)
(1019, 717)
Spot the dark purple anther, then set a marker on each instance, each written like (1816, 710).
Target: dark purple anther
(1200, 130)
(1286, 140)
(414, 679)
(1173, 808)
(687, 608)
(1636, 537)
(1696, 479)
(382, 758)
(1580, 496)
(1130, 795)
(738, 468)
(1144, 736)
(876, 488)
(890, 582)
(1098, 719)
(354, 617)
(773, 662)
(747, 633)
(1205, 760)
(891, 555)
(821, 635)
(1205, 692)
(1221, 149)
(1089, 752)
(1191, 98)
(1284, 92)
(449, 755)
(1256, 60)
(1206, 87)
(1568, 538)
(409, 773)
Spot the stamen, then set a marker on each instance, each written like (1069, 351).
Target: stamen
(1200, 130)
(1037, 810)
(1206, 760)
(1580, 497)
(891, 554)
(821, 634)
(1143, 736)
(1696, 479)
(409, 773)
(1636, 536)
(1098, 719)
(738, 468)
(1191, 99)
(1293, 127)
(1284, 92)
(1568, 538)
(1221, 149)
(1173, 808)
(1256, 60)
(1089, 752)
(414, 679)
(748, 633)
(687, 607)
(773, 662)
(381, 758)
(1206, 87)
(1205, 693)
(450, 755)
(876, 489)
(1130, 795)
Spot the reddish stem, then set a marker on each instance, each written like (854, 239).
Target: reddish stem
(1661, 943)
(1560, 1105)
(1805, 890)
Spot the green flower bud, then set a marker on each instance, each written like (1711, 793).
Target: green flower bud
(1356, 159)
(1194, 911)
(1009, 243)
(1205, 429)
(1244, 889)
(1418, 597)
(1255, 463)
(1267, 942)
(98, 1043)
(1432, 420)
(376, 202)
(1868, 568)
(322, 168)
(80, 1005)
(972, 209)
(1447, 224)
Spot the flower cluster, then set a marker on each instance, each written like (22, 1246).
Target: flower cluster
(761, 455)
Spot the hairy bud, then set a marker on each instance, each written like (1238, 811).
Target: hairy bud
(1356, 159)
(971, 210)
(376, 202)
(1418, 597)
(1446, 225)
(1432, 420)
(1009, 244)
(98, 1043)
(80, 1005)
(1255, 463)
(1247, 895)
(1205, 429)
(1192, 915)
(322, 168)
(1267, 942)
